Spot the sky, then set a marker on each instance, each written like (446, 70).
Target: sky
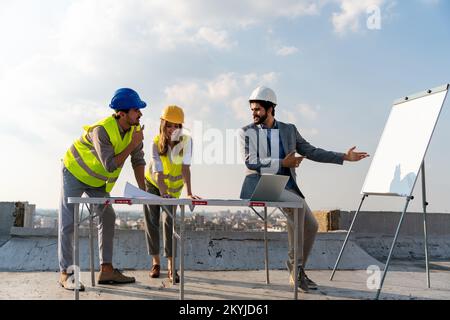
(335, 65)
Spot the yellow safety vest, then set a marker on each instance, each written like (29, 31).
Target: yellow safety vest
(172, 173)
(83, 161)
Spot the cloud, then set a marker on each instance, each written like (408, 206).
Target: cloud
(204, 99)
(241, 109)
(168, 24)
(64, 59)
(58, 70)
(269, 78)
(303, 116)
(218, 39)
(286, 51)
(348, 19)
(91, 34)
(223, 86)
(307, 111)
(192, 97)
(300, 8)
(431, 2)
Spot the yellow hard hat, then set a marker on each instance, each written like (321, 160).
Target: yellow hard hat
(173, 114)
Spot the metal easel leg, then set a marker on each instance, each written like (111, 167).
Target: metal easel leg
(425, 204)
(392, 247)
(347, 237)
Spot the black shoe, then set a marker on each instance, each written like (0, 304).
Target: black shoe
(302, 279)
(311, 284)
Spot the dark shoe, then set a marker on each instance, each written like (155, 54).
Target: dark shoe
(67, 281)
(115, 277)
(302, 279)
(311, 284)
(177, 277)
(155, 271)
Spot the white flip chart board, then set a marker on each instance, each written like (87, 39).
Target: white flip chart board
(403, 144)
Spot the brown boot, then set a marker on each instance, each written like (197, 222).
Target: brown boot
(67, 281)
(115, 277)
(155, 271)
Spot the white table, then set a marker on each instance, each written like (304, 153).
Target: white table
(174, 203)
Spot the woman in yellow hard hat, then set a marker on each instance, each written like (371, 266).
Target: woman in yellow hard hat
(167, 173)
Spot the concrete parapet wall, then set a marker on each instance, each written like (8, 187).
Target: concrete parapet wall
(27, 249)
(34, 249)
(6, 217)
(385, 223)
(408, 247)
(374, 232)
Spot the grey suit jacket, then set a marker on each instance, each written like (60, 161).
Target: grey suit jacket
(253, 152)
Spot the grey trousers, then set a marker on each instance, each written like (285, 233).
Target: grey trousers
(72, 187)
(152, 215)
(307, 230)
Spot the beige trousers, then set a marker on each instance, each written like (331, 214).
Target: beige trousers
(307, 230)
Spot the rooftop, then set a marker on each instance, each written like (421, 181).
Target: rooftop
(405, 281)
(229, 265)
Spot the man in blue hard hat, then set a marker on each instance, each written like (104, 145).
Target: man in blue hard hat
(92, 165)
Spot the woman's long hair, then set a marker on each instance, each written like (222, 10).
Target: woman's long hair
(163, 144)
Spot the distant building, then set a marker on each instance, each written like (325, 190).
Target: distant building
(24, 214)
(140, 224)
(131, 224)
(199, 220)
(121, 223)
(48, 222)
(276, 228)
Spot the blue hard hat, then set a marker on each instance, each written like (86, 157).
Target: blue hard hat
(125, 99)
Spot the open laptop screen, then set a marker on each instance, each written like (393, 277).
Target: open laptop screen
(269, 187)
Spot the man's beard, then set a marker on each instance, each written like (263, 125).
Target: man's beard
(260, 120)
(133, 123)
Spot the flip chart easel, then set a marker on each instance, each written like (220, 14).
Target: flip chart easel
(399, 158)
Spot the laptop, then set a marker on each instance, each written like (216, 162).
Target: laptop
(269, 188)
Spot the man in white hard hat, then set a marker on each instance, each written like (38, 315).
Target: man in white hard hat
(278, 155)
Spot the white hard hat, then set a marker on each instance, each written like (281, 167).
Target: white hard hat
(263, 94)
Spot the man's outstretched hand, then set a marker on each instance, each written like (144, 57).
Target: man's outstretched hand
(351, 155)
